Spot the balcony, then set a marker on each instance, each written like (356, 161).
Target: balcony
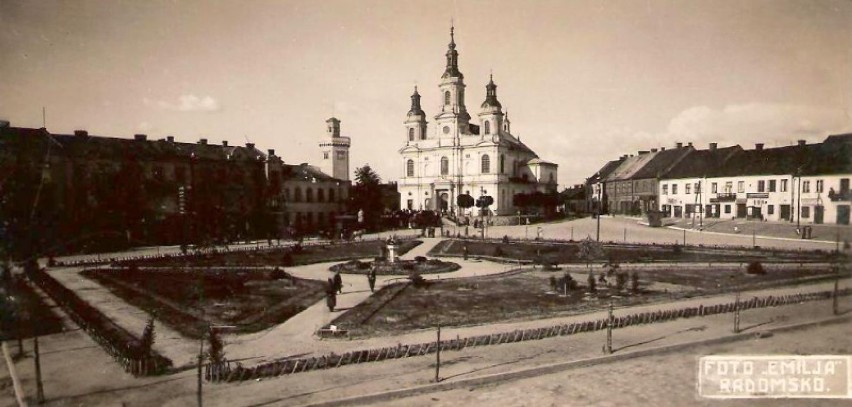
(839, 196)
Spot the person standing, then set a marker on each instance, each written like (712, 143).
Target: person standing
(371, 279)
(330, 296)
(338, 283)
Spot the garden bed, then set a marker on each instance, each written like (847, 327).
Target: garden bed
(398, 268)
(189, 300)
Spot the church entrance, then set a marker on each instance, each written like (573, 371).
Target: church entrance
(443, 201)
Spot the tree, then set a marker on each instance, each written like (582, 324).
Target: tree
(147, 341)
(216, 350)
(589, 250)
(465, 201)
(634, 278)
(592, 284)
(367, 195)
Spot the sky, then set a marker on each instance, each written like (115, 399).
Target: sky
(583, 81)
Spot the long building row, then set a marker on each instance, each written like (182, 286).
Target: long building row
(803, 183)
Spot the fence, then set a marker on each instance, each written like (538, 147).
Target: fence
(333, 360)
(119, 343)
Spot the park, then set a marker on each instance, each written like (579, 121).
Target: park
(263, 307)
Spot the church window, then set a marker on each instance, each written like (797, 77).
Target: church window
(502, 164)
(446, 129)
(447, 97)
(423, 133)
(409, 168)
(325, 155)
(410, 135)
(486, 164)
(445, 166)
(487, 127)
(341, 155)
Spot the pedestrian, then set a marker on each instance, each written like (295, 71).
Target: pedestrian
(338, 283)
(371, 279)
(465, 251)
(330, 295)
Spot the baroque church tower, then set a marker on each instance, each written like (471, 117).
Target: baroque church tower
(453, 119)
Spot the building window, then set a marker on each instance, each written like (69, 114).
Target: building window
(772, 185)
(502, 164)
(741, 186)
(761, 186)
(770, 209)
(714, 188)
(806, 186)
(844, 186)
(819, 186)
(674, 189)
(180, 175)
(486, 164)
(698, 187)
(445, 166)
(423, 133)
(331, 195)
(410, 135)
(297, 195)
(409, 168)
(665, 189)
(806, 211)
(410, 204)
(447, 97)
(325, 155)
(728, 209)
(687, 188)
(341, 155)
(729, 187)
(309, 195)
(783, 185)
(320, 195)
(487, 127)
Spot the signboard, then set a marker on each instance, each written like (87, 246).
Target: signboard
(752, 195)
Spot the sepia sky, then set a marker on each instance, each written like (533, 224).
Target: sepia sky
(583, 81)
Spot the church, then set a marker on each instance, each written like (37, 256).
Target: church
(460, 157)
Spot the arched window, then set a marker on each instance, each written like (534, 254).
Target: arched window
(447, 97)
(309, 195)
(297, 195)
(331, 195)
(320, 195)
(423, 133)
(486, 164)
(409, 168)
(487, 127)
(502, 164)
(411, 134)
(445, 166)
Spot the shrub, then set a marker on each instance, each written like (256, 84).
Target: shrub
(216, 351)
(418, 281)
(278, 274)
(553, 282)
(407, 266)
(755, 268)
(592, 284)
(634, 282)
(287, 259)
(420, 259)
(620, 281)
(676, 249)
(498, 252)
(146, 343)
(505, 239)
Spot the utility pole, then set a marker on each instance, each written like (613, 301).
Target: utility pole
(600, 205)
(37, 360)
(737, 313)
(609, 330)
(200, 362)
(438, 357)
(753, 238)
(684, 237)
(834, 306)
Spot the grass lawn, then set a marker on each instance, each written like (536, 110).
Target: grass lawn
(188, 300)
(399, 268)
(402, 307)
(528, 295)
(282, 256)
(562, 253)
(22, 312)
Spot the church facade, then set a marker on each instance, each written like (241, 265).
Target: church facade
(458, 156)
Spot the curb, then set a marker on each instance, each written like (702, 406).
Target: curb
(558, 367)
(787, 239)
(16, 382)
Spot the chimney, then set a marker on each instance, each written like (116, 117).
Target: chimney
(802, 142)
(689, 144)
(224, 143)
(758, 146)
(679, 145)
(271, 152)
(81, 133)
(662, 149)
(140, 137)
(170, 139)
(250, 146)
(641, 152)
(203, 141)
(713, 146)
(653, 150)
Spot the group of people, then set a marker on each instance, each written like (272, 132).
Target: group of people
(335, 287)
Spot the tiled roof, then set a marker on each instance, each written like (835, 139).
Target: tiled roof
(703, 163)
(304, 172)
(662, 162)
